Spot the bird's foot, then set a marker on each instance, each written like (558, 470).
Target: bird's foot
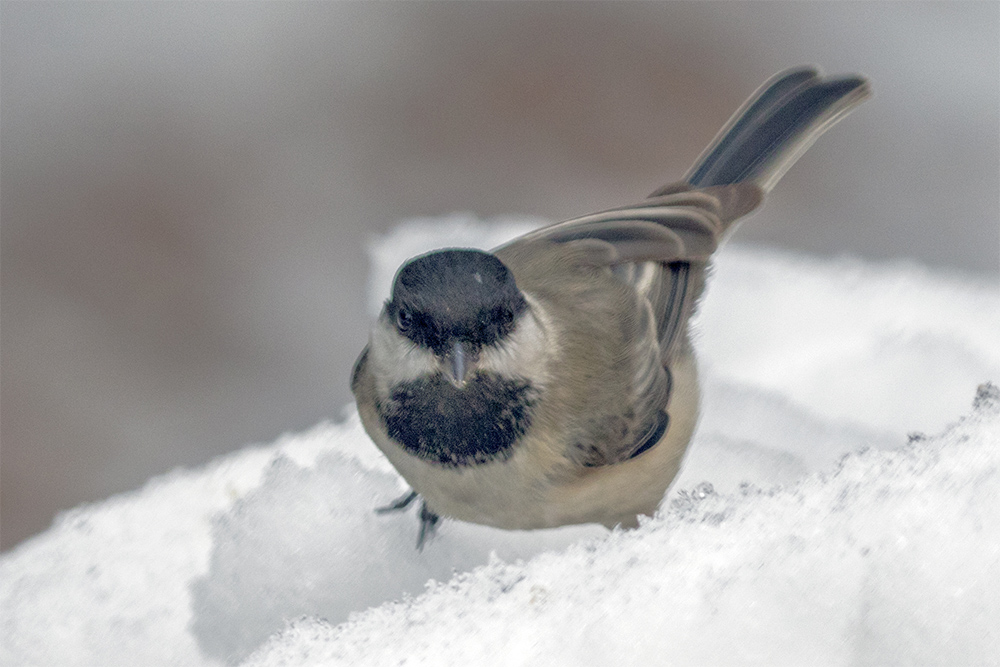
(398, 504)
(428, 525)
(428, 519)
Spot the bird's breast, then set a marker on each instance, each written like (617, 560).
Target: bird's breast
(440, 423)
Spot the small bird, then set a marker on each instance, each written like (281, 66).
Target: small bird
(552, 381)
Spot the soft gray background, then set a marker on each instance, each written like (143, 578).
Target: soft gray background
(186, 190)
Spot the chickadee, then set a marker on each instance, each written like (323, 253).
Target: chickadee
(552, 381)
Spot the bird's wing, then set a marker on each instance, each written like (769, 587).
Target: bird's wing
(653, 245)
(677, 223)
(658, 250)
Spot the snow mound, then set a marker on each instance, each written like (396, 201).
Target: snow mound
(778, 543)
(308, 542)
(889, 559)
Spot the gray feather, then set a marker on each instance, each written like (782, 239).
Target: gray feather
(772, 130)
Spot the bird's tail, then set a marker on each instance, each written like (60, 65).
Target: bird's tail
(773, 128)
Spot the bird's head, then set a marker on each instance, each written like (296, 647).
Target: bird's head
(454, 304)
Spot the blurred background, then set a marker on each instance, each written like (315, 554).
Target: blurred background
(187, 190)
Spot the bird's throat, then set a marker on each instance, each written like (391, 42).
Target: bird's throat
(440, 423)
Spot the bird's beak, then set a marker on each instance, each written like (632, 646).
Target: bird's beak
(459, 361)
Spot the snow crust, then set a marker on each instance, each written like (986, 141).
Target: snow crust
(814, 520)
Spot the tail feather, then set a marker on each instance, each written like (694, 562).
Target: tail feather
(765, 137)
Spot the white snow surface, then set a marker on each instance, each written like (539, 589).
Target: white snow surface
(815, 521)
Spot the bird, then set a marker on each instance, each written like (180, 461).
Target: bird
(552, 380)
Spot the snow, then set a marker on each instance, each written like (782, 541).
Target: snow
(814, 520)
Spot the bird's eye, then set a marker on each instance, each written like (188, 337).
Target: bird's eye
(404, 320)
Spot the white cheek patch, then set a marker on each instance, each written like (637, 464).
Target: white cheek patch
(525, 352)
(395, 358)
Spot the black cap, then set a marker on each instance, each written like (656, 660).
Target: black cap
(455, 295)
